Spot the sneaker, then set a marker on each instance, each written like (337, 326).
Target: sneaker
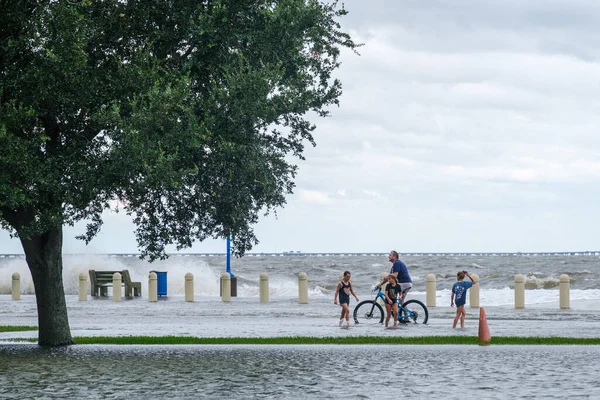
(340, 323)
(347, 324)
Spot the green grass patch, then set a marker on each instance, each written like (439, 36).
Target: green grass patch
(355, 340)
(17, 328)
(295, 340)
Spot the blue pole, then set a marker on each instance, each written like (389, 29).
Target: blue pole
(229, 257)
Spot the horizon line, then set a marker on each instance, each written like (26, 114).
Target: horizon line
(300, 253)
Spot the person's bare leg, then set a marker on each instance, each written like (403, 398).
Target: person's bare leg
(456, 317)
(403, 297)
(347, 311)
(395, 314)
(462, 317)
(387, 314)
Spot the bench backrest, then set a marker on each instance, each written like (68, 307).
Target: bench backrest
(125, 276)
(100, 277)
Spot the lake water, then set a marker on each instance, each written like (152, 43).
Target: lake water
(497, 274)
(299, 372)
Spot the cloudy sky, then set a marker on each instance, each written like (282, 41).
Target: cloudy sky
(464, 126)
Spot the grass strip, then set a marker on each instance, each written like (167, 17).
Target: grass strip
(353, 340)
(289, 340)
(17, 328)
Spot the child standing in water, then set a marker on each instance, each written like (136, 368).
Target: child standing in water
(459, 296)
(392, 290)
(344, 288)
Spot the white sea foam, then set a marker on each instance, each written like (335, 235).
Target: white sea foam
(10, 266)
(206, 279)
(541, 287)
(277, 287)
(506, 296)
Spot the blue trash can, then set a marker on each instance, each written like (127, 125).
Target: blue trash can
(161, 282)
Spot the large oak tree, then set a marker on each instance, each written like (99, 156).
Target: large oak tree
(182, 113)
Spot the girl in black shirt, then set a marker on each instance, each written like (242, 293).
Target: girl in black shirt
(392, 290)
(344, 288)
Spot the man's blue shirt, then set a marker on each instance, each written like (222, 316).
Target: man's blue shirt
(400, 268)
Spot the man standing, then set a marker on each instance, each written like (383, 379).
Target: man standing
(400, 271)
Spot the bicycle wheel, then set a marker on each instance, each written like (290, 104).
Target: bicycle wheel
(368, 312)
(419, 312)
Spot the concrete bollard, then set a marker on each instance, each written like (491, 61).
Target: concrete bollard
(303, 288)
(82, 287)
(564, 287)
(16, 286)
(226, 287)
(117, 286)
(430, 290)
(519, 291)
(264, 287)
(152, 287)
(189, 287)
(474, 292)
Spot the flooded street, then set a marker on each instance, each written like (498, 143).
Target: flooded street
(319, 372)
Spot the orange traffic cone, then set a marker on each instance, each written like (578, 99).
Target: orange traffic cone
(484, 332)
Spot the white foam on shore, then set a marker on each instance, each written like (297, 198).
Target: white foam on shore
(506, 296)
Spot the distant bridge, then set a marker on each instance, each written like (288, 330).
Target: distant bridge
(336, 254)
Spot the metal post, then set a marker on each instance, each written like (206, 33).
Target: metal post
(229, 256)
(233, 279)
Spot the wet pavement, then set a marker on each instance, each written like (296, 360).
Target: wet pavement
(246, 317)
(294, 371)
(28, 371)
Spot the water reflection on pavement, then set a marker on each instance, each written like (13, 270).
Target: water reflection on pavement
(310, 371)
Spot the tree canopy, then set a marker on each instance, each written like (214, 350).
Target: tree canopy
(180, 112)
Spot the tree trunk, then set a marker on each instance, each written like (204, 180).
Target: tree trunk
(44, 258)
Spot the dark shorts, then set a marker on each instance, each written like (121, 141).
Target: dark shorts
(460, 304)
(394, 301)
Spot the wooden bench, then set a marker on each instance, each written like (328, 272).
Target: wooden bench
(100, 281)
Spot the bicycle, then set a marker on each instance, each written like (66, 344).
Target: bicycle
(370, 311)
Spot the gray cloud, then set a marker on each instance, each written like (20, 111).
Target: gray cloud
(464, 126)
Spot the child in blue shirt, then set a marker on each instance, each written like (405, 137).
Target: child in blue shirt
(459, 296)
